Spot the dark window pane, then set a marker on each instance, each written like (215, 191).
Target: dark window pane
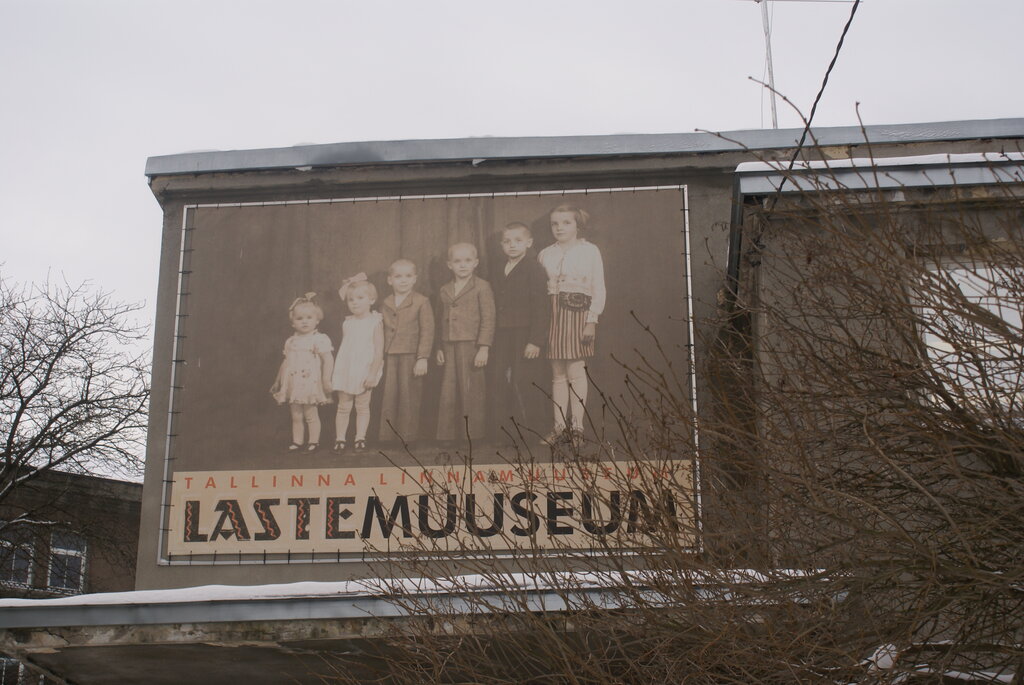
(8, 671)
(66, 571)
(15, 564)
(63, 540)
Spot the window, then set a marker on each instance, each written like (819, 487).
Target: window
(973, 333)
(67, 562)
(9, 671)
(13, 672)
(15, 561)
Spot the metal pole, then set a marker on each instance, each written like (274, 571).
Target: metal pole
(768, 57)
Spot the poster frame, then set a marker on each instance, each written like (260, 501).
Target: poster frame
(181, 293)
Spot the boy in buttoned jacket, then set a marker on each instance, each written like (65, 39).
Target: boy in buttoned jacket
(517, 371)
(408, 341)
(467, 332)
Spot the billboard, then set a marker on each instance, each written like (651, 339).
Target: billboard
(357, 375)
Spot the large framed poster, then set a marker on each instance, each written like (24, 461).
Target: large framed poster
(362, 376)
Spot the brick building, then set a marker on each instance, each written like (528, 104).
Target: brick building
(79, 536)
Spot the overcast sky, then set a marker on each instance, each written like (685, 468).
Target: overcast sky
(91, 88)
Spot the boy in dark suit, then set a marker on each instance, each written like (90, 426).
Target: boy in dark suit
(523, 317)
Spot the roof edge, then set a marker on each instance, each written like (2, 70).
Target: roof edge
(479, 150)
(378, 597)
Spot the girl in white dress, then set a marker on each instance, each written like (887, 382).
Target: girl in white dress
(360, 360)
(304, 379)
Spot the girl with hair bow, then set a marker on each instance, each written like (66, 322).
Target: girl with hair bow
(304, 379)
(360, 360)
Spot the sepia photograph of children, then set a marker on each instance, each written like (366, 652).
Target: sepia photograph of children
(467, 332)
(519, 378)
(408, 341)
(297, 248)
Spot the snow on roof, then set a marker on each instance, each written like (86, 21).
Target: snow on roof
(387, 586)
(380, 598)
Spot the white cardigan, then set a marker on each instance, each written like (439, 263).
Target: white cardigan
(578, 269)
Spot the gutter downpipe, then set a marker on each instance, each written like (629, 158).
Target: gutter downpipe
(732, 279)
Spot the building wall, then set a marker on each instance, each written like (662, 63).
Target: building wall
(103, 513)
(706, 176)
(881, 384)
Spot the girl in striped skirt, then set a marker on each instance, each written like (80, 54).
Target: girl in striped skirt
(577, 291)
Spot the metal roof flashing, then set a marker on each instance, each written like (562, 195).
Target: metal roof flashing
(480, 150)
(980, 168)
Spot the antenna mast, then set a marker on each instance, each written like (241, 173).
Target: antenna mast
(768, 58)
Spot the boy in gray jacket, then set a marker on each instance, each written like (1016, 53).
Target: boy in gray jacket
(467, 332)
(408, 340)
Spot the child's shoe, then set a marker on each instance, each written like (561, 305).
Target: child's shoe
(294, 447)
(339, 447)
(556, 437)
(360, 446)
(313, 447)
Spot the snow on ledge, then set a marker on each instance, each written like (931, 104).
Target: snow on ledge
(384, 587)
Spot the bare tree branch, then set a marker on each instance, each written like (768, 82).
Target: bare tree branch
(73, 383)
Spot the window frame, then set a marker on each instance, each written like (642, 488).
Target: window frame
(64, 550)
(10, 668)
(9, 555)
(942, 355)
